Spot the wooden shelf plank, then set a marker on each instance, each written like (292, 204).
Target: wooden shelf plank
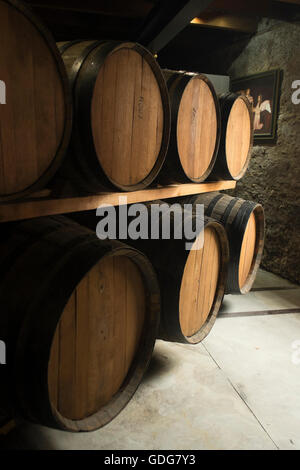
(31, 208)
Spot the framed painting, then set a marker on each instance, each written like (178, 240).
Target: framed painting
(262, 91)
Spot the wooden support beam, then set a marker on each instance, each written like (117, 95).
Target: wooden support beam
(41, 207)
(227, 21)
(176, 24)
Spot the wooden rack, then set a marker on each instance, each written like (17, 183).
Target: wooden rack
(42, 206)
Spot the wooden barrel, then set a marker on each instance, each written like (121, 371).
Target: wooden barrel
(122, 115)
(35, 122)
(192, 282)
(80, 321)
(195, 128)
(236, 138)
(244, 223)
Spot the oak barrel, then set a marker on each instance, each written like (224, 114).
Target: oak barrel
(80, 321)
(122, 115)
(35, 122)
(195, 128)
(192, 282)
(236, 138)
(244, 223)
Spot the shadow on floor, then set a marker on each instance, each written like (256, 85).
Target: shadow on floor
(21, 438)
(159, 365)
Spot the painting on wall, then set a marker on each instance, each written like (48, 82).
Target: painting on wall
(262, 91)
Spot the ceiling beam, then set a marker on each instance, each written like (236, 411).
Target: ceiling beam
(226, 21)
(177, 23)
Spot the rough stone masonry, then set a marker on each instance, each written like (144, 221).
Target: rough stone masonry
(273, 178)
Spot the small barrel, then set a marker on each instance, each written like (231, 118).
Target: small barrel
(195, 128)
(245, 226)
(122, 115)
(192, 282)
(80, 322)
(236, 138)
(35, 117)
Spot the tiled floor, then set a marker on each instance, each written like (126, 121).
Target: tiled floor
(239, 389)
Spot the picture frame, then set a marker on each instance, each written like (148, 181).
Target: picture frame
(263, 92)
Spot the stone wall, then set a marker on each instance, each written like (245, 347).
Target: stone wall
(273, 178)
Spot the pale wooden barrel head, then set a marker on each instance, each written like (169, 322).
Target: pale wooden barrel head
(199, 283)
(196, 128)
(97, 338)
(238, 136)
(127, 117)
(32, 120)
(247, 255)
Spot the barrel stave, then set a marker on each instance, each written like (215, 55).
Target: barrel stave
(69, 266)
(36, 119)
(235, 214)
(122, 116)
(195, 128)
(170, 258)
(236, 138)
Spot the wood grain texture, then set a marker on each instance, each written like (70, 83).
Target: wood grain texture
(196, 128)
(245, 225)
(122, 116)
(247, 250)
(37, 208)
(192, 283)
(238, 137)
(97, 338)
(127, 117)
(73, 54)
(199, 284)
(89, 328)
(32, 123)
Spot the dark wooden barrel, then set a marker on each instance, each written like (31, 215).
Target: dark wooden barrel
(80, 321)
(195, 128)
(35, 122)
(192, 282)
(244, 223)
(122, 115)
(236, 138)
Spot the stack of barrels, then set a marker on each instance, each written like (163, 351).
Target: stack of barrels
(80, 315)
(102, 115)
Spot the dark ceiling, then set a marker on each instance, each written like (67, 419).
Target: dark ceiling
(185, 44)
